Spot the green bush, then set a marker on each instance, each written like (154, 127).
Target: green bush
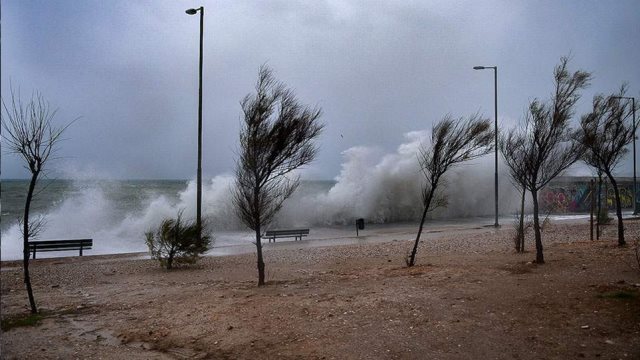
(604, 217)
(20, 320)
(176, 242)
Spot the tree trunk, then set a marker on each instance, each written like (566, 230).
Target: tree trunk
(520, 245)
(170, 259)
(616, 192)
(591, 206)
(412, 259)
(536, 228)
(25, 238)
(260, 260)
(599, 207)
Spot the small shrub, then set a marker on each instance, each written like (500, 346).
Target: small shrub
(521, 233)
(407, 259)
(637, 251)
(618, 294)
(603, 218)
(176, 242)
(19, 321)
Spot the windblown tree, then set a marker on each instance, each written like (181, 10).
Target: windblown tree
(545, 146)
(30, 133)
(452, 142)
(605, 133)
(277, 137)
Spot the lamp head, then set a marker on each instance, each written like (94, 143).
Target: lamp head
(478, 68)
(192, 11)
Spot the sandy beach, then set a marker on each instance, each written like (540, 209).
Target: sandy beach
(470, 296)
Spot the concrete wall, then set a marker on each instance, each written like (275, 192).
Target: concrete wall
(573, 194)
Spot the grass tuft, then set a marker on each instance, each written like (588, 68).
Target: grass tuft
(20, 320)
(619, 294)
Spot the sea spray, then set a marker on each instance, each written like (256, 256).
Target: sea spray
(387, 188)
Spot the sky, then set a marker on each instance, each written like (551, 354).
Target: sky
(128, 71)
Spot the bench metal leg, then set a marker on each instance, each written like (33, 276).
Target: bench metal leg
(80, 250)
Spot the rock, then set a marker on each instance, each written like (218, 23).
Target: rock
(584, 327)
(608, 342)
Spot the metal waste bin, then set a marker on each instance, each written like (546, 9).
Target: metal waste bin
(359, 225)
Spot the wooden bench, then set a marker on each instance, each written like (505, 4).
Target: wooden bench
(294, 233)
(59, 245)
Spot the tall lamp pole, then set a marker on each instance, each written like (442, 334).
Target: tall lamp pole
(199, 179)
(633, 108)
(495, 88)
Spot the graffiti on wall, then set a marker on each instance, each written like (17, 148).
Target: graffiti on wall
(567, 197)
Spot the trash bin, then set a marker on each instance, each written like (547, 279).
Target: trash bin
(359, 225)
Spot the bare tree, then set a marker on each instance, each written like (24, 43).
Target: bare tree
(605, 133)
(277, 137)
(452, 142)
(29, 132)
(544, 147)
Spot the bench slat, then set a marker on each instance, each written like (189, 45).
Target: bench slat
(286, 232)
(74, 241)
(64, 249)
(43, 243)
(63, 246)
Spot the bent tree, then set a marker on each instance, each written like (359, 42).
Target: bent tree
(29, 132)
(605, 133)
(276, 138)
(545, 145)
(452, 142)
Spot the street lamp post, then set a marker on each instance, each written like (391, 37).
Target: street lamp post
(495, 88)
(199, 179)
(633, 108)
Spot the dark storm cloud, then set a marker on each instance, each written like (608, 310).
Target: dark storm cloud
(377, 68)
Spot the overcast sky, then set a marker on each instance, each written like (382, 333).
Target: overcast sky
(378, 69)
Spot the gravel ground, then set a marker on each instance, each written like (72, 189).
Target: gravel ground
(470, 296)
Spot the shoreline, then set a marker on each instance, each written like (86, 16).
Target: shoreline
(337, 235)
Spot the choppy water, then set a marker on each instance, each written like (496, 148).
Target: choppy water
(126, 196)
